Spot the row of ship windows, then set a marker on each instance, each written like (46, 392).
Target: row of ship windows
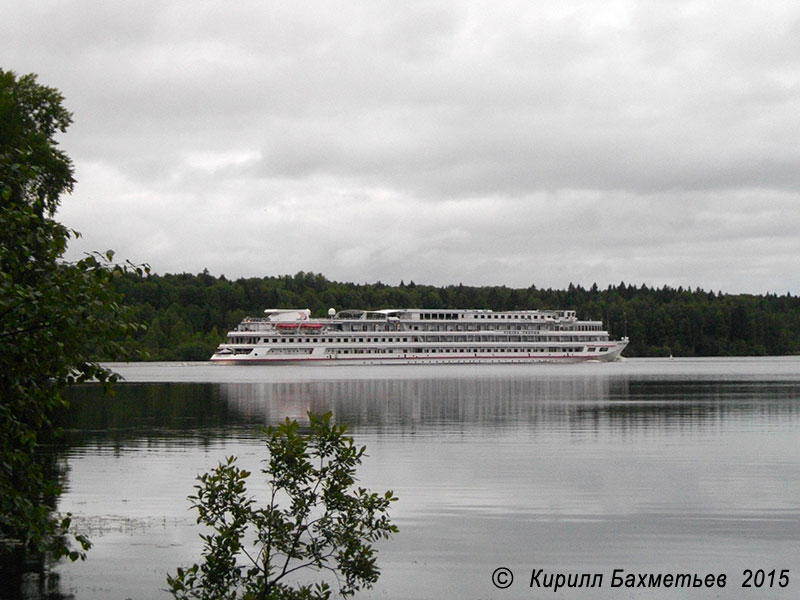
(433, 351)
(454, 339)
(469, 326)
(456, 316)
(358, 327)
(460, 350)
(437, 350)
(453, 350)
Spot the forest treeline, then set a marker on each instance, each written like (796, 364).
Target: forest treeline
(188, 315)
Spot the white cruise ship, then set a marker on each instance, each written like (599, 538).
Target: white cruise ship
(414, 336)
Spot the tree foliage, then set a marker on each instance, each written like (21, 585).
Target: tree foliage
(55, 317)
(190, 314)
(315, 518)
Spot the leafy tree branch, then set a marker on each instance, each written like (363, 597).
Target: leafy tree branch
(56, 318)
(315, 520)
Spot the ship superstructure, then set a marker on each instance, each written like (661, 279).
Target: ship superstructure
(413, 336)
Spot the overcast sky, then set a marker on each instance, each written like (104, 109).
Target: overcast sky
(492, 143)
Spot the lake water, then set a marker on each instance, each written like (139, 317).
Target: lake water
(649, 466)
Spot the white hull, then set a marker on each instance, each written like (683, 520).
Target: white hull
(418, 336)
(417, 360)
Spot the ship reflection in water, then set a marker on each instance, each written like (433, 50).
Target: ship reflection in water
(577, 404)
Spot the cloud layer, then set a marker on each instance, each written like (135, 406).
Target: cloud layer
(494, 143)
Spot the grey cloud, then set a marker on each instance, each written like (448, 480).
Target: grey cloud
(502, 142)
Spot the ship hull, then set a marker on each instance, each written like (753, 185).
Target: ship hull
(463, 359)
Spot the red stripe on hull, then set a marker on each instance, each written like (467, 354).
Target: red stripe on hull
(418, 359)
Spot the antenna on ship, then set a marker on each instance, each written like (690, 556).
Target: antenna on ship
(331, 312)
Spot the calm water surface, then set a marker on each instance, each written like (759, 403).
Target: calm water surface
(651, 466)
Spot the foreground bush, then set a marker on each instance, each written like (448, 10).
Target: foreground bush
(314, 519)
